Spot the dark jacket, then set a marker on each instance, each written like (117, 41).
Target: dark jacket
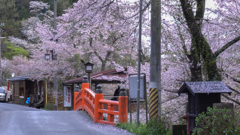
(116, 93)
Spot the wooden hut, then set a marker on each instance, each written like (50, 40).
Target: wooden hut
(23, 87)
(200, 96)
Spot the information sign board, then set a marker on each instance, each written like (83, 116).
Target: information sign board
(67, 96)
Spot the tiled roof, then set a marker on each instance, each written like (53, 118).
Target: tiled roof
(18, 78)
(108, 76)
(204, 87)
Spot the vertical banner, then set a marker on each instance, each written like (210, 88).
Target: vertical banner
(67, 96)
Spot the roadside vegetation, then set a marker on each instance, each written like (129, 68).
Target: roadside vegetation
(218, 122)
(155, 126)
(49, 107)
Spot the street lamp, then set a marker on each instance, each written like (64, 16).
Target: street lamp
(54, 56)
(47, 56)
(88, 69)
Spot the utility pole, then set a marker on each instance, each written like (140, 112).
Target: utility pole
(55, 82)
(55, 17)
(139, 59)
(1, 24)
(155, 62)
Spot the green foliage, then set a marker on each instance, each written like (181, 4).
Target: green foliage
(217, 122)
(76, 62)
(12, 12)
(9, 50)
(23, 9)
(49, 106)
(9, 16)
(156, 126)
(141, 130)
(61, 5)
(181, 120)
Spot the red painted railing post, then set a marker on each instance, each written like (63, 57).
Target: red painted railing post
(75, 100)
(110, 116)
(187, 118)
(98, 96)
(123, 106)
(85, 85)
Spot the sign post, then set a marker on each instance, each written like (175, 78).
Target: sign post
(134, 96)
(67, 102)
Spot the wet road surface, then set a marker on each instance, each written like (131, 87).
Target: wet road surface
(23, 120)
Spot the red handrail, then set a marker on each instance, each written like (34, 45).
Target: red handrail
(93, 104)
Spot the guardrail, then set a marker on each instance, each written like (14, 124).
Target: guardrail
(93, 104)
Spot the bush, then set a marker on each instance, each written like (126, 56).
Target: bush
(155, 126)
(158, 126)
(49, 106)
(217, 122)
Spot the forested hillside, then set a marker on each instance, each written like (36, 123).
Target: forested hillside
(13, 12)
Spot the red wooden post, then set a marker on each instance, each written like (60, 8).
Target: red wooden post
(110, 116)
(123, 106)
(98, 96)
(187, 118)
(85, 85)
(75, 100)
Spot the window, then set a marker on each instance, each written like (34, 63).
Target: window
(21, 91)
(1, 90)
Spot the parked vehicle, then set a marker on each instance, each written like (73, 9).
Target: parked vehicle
(2, 95)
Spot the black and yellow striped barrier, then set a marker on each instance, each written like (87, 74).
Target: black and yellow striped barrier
(153, 111)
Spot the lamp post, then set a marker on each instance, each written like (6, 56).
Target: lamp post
(88, 69)
(54, 57)
(47, 56)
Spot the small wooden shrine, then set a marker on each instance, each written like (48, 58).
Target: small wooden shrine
(200, 96)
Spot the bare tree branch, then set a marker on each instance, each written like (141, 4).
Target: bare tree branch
(175, 109)
(229, 98)
(233, 89)
(234, 79)
(144, 9)
(226, 46)
(172, 91)
(170, 99)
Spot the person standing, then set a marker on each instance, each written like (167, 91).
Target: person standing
(116, 94)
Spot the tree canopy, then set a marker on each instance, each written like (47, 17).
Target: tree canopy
(198, 43)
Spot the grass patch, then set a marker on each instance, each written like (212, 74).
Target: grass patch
(155, 126)
(49, 107)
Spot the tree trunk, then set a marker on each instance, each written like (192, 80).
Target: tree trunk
(195, 67)
(200, 47)
(209, 60)
(103, 65)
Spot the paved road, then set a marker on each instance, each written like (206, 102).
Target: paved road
(23, 120)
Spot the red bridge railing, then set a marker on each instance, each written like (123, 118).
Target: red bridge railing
(93, 104)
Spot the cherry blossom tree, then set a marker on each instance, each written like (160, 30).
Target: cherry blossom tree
(99, 32)
(198, 43)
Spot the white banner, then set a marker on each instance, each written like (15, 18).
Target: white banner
(67, 96)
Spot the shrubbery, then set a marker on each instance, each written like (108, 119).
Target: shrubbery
(49, 106)
(217, 122)
(155, 126)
